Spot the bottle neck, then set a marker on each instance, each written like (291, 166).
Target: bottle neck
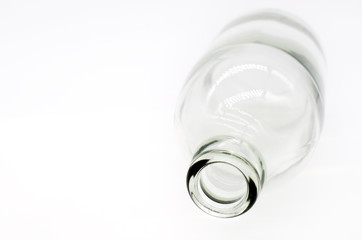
(225, 177)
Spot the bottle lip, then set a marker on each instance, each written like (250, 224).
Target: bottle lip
(248, 175)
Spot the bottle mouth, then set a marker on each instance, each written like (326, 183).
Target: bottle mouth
(223, 184)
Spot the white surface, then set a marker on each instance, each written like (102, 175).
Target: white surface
(87, 145)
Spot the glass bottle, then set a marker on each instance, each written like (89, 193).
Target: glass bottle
(251, 109)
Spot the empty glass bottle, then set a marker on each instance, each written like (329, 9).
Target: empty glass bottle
(251, 109)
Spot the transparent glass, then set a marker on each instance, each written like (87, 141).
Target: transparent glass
(251, 109)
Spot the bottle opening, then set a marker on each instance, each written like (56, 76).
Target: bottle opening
(222, 184)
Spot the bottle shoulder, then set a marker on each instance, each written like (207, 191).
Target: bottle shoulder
(256, 93)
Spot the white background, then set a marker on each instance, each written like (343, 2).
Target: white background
(87, 143)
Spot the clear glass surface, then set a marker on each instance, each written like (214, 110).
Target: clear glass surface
(251, 109)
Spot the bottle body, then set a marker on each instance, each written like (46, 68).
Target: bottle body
(251, 109)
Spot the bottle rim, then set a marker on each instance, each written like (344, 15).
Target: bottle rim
(248, 180)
